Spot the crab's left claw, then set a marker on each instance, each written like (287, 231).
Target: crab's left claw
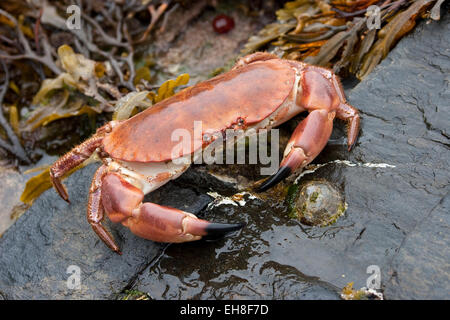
(122, 201)
(165, 224)
(216, 230)
(308, 139)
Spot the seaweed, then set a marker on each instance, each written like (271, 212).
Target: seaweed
(336, 33)
(348, 293)
(73, 93)
(72, 84)
(401, 24)
(14, 146)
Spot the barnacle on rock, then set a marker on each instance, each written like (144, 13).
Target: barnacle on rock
(316, 203)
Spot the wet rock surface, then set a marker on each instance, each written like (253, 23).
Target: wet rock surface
(397, 216)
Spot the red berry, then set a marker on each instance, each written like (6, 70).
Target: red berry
(223, 23)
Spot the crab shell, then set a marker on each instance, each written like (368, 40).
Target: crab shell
(242, 97)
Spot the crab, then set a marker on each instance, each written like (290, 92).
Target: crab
(260, 92)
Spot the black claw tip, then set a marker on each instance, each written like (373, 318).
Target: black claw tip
(218, 230)
(282, 173)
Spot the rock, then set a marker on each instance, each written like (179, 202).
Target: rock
(406, 114)
(246, 265)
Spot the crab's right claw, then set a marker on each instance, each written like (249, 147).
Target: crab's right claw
(290, 163)
(218, 230)
(308, 139)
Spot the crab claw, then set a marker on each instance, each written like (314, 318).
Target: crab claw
(295, 159)
(165, 224)
(308, 139)
(218, 230)
(122, 201)
(281, 174)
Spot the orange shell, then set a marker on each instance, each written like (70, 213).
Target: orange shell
(249, 93)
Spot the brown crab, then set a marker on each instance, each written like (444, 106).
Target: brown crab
(260, 92)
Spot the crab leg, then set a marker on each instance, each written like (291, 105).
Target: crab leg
(257, 56)
(75, 157)
(123, 203)
(308, 139)
(322, 95)
(348, 113)
(95, 212)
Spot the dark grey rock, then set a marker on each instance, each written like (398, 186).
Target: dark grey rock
(406, 112)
